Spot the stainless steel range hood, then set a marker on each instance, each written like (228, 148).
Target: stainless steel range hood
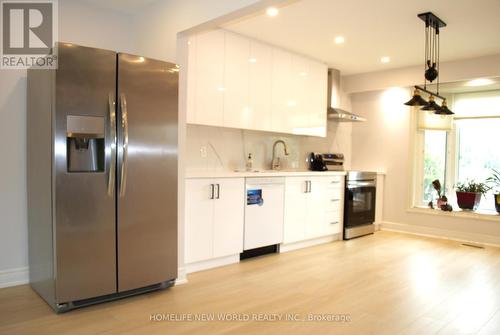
(333, 112)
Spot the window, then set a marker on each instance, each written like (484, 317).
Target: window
(468, 152)
(478, 152)
(434, 162)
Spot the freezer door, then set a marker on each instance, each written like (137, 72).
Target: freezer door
(85, 224)
(147, 172)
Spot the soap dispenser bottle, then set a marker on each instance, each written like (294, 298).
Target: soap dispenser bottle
(249, 164)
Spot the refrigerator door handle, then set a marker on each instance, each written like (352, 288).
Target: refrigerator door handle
(123, 177)
(112, 133)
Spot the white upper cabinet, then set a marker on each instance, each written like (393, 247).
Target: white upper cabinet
(237, 82)
(208, 76)
(281, 97)
(317, 105)
(260, 62)
(300, 87)
(236, 107)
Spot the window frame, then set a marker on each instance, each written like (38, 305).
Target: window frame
(417, 152)
(450, 168)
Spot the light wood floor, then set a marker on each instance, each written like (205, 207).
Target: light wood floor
(387, 283)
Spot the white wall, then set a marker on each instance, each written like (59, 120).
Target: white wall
(383, 143)
(78, 23)
(486, 66)
(158, 25)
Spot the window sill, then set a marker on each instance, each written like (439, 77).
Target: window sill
(477, 215)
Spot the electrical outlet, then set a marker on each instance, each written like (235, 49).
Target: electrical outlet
(203, 151)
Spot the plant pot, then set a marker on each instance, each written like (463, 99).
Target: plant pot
(468, 200)
(497, 202)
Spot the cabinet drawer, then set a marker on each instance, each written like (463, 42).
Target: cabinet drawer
(333, 222)
(333, 199)
(333, 206)
(334, 182)
(333, 217)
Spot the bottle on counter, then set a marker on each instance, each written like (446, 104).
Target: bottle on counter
(249, 164)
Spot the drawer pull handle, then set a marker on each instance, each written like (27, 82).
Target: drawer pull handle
(335, 222)
(334, 200)
(335, 182)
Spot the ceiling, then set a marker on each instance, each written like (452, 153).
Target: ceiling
(126, 6)
(373, 29)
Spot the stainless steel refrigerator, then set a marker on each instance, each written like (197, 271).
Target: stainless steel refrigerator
(102, 176)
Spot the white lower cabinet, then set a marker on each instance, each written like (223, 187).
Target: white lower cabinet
(214, 212)
(313, 207)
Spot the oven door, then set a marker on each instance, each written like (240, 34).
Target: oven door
(359, 203)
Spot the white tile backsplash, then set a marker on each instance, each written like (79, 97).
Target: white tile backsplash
(227, 148)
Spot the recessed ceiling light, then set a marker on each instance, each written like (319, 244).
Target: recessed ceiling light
(252, 60)
(480, 82)
(272, 11)
(385, 59)
(339, 39)
(303, 74)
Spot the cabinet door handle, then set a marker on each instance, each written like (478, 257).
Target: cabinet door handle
(334, 222)
(336, 182)
(218, 192)
(307, 186)
(334, 200)
(211, 191)
(310, 186)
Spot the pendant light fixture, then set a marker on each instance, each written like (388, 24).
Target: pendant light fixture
(431, 105)
(431, 67)
(416, 100)
(444, 110)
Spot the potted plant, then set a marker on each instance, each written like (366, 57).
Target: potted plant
(494, 180)
(469, 194)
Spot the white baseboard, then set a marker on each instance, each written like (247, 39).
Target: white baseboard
(14, 277)
(441, 233)
(181, 276)
(212, 263)
(309, 243)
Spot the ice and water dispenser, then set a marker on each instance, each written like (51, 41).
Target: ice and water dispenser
(85, 143)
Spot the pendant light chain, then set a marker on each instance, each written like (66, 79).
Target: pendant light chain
(438, 51)
(426, 57)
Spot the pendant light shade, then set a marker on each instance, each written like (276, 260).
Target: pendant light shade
(431, 106)
(416, 100)
(444, 110)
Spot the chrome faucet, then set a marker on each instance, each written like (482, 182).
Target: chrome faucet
(276, 161)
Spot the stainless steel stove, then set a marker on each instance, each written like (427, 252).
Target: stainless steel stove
(359, 204)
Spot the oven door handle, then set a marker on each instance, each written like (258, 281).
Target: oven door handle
(361, 184)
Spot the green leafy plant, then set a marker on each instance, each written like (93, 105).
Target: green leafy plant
(494, 180)
(471, 186)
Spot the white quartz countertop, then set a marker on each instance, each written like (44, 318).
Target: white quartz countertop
(190, 174)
